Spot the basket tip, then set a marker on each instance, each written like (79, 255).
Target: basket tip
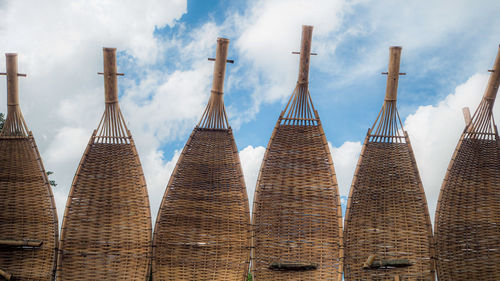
(396, 47)
(11, 54)
(109, 49)
(222, 39)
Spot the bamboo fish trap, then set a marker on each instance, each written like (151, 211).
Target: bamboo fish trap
(297, 219)
(388, 233)
(203, 227)
(468, 211)
(106, 231)
(28, 217)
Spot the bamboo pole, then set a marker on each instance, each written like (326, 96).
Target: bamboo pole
(12, 83)
(305, 54)
(220, 65)
(110, 79)
(391, 92)
(494, 81)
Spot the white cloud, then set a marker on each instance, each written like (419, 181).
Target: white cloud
(251, 159)
(435, 130)
(345, 159)
(157, 173)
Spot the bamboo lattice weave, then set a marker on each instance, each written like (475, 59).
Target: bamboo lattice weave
(27, 208)
(467, 225)
(203, 226)
(106, 233)
(27, 211)
(387, 217)
(202, 229)
(296, 208)
(297, 221)
(468, 212)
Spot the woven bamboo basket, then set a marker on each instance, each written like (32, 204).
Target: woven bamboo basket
(203, 227)
(28, 217)
(297, 219)
(468, 211)
(387, 233)
(106, 231)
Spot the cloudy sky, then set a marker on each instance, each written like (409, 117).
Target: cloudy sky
(448, 46)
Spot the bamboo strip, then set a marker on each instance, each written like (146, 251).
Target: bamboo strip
(24, 242)
(7, 276)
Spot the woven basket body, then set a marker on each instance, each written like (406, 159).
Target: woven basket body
(468, 218)
(27, 209)
(296, 207)
(203, 227)
(106, 232)
(467, 224)
(387, 216)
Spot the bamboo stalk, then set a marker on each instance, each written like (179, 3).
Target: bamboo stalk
(12, 82)
(220, 65)
(21, 243)
(110, 79)
(305, 54)
(494, 81)
(391, 92)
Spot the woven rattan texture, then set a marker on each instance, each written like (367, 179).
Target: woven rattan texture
(27, 211)
(387, 215)
(203, 227)
(468, 215)
(297, 215)
(106, 232)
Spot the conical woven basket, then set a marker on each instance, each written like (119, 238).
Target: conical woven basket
(388, 234)
(203, 227)
(106, 232)
(28, 218)
(297, 220)
(468, 212)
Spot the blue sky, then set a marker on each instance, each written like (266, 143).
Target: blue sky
(448, 46)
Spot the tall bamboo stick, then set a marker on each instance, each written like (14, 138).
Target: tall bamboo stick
(110, 79)
(391, 92)
(305, 54)
(494, 81)
(220, 65)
